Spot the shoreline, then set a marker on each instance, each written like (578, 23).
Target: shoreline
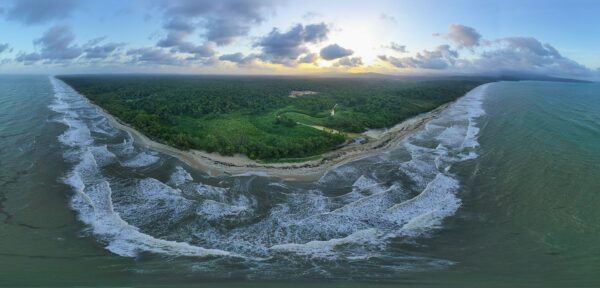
(217, 165)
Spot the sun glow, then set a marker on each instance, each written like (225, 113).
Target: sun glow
(363, 37)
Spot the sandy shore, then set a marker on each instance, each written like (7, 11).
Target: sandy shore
(215, 164)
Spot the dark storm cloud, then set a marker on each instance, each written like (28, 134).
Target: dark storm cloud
(335, 51)
(349, 62)
(54, 46)
(285, 47)
(40, 11)
(441, 57)
(220, 22)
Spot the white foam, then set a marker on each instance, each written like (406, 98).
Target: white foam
(180, 177)
(151, 203)
(213, 210)
(446, 140)
(126, 147)
(325, 249)
(126, 240)
(370, 207)
(210, 192)
(92, 197)
(367, 184)
(77, 134)
(436, 202)
(142, 159)
(102, 155)
(94, 203)
(102, 126)
(307, 222)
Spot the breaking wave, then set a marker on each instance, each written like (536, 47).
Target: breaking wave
(93, 193)
(351, 214)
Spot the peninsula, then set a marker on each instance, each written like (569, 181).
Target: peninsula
(290, 127)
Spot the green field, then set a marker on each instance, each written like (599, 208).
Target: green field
(255, 115)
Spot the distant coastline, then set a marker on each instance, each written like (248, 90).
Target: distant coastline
(312, 169)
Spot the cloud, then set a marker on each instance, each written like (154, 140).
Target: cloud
(441, 57)
(93, 50)
(285, 47)
(349, 62)
(311, 15)
(239, 58)
(510, 54)
(386, 17)
(527, 54)
(178, 44)
(40, 11)
(55, 46)
(462, 36)
(220, 22)
(151, 55)
(309, 58)
(217, 22)
(179, 30)
(335, 51)
(5, 47)
(315, 33)
(28, 58)
(397, 47)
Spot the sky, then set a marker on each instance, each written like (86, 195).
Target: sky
(556, 38)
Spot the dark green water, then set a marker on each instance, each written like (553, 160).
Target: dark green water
(505, 198)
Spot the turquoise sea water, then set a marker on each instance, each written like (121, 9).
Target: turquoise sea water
(502, 190)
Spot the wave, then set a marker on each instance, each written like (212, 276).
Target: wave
(325, 249)
(449, 139)
(351, 213)
(142, 159)
(93, 194)
(180, 177)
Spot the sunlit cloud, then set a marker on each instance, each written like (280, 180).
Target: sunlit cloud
(262, 36)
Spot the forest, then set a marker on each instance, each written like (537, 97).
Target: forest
(257, 115)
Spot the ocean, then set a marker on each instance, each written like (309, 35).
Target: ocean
(502, 190)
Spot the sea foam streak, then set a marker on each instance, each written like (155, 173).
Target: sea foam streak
(351, 213)
(92, 197)
(446, 140)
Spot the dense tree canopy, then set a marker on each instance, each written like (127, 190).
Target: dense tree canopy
(255, 115)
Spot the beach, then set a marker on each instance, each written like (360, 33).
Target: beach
(501, 163)
(215, 164)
